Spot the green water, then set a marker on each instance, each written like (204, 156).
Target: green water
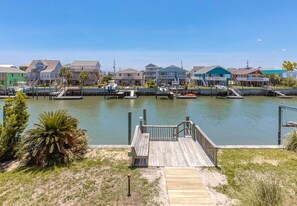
(252, 120)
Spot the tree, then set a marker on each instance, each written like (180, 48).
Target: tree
(151, 84)
(65, 74)
(83, 76)
(54, 140)
(15, 122)
(289, 65)
(107, 78)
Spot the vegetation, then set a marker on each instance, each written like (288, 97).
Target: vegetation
(65, 73)
(56, 139)
(289, 82)
(15, 121)
(106, 79)
(289, 65)
(291, 141)
(263, 191)
(150, 84)
(100, 179)
(83, 76)
(243, 166)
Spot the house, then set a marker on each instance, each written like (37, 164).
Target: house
(128, 77)
(151, 72)
(92, 67)
(172, 75)
(249, 77)
(292, 73)
(11, 76)
(212, 75)
(279, 72)
(43, 71)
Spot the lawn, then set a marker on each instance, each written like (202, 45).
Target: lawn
(243, 166)
(100, 179)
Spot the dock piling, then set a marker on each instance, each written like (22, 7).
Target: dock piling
(129, 127)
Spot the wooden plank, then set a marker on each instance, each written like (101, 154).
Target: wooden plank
(184, 187)
(250, 146)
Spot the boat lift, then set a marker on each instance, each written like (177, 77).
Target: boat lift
(287, 123)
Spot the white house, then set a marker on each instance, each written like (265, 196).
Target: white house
(128, 77)
(43, 71)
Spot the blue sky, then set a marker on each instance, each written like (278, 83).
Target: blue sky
(138, 32)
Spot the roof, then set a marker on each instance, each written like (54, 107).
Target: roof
(151, 65)
(50, 65)
(204, 70)
(273, 71)
(82, 63)
(129, 70)
(172, 68)
(11, 70)
(244, 71)
(7, 65)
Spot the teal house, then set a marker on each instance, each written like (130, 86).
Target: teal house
(212, 75)
(11, 76)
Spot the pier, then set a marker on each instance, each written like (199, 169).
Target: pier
(182, 145)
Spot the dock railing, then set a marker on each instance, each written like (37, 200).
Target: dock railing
(183, 129)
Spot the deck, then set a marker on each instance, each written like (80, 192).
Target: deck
(184, 152)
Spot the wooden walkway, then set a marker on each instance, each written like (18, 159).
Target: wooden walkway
(182, 153)
(185, 187)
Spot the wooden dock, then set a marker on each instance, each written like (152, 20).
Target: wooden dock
(185, 187)
(68, 98)
(185, 152)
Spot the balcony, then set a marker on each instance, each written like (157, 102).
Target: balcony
(196, 78)
(172, 77)
(216, 78)
(127, 77)
(252, 79)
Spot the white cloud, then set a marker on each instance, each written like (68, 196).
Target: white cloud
(284, 50)
(259, 40)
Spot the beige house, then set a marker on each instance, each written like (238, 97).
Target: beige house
(92, 67)
(128, 77)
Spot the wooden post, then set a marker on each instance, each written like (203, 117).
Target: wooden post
(279, 124)
(211, 91)
(140, 124)
(144, 117)
(187, 125)
(129, 192)
(129, 127)
(193, 132)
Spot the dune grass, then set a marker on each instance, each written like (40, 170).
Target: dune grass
(246, 168)
(101, 179)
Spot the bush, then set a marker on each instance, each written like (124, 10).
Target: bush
(15, 122)
(56, 139)
(289, 82)
(291, 141)
(264, 191)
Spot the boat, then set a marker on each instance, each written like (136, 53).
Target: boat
(235, 97)
(187, 96)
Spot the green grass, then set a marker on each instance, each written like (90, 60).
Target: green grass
(99, 180)
(243, 166)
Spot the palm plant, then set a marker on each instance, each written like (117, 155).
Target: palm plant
(65, 74)
(56, 139)
(83, 76)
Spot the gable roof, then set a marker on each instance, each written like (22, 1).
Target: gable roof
(50, 65)
(172, 68)
(151, 65)
(204, 70)
(245, 71)
(81, 63)
(11, 70)
(129, 70)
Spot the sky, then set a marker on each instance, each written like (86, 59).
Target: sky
(138, 32)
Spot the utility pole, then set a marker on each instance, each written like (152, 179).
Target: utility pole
(114, 65)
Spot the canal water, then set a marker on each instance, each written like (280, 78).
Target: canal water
(253, 120)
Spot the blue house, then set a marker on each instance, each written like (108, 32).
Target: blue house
(172, 75)
(212, 75)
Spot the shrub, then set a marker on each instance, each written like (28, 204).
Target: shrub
(291, 141)
(264, 191)
(15, 122)
(56, 139)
